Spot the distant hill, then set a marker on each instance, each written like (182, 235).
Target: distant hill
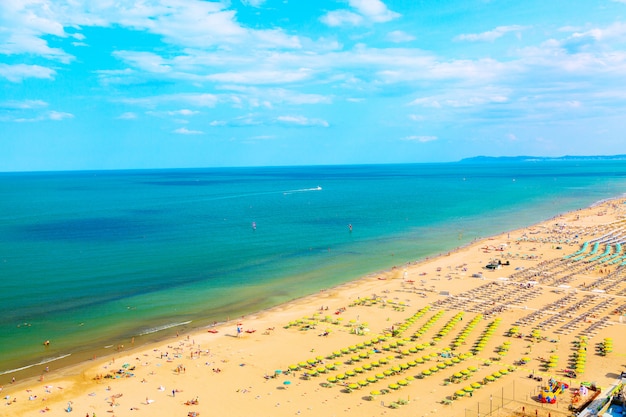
(504, 159)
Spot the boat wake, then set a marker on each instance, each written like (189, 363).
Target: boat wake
(300, 190)
(164, 327)
(42, 362)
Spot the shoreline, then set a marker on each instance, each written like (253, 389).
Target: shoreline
(395, 278)
(167, 333)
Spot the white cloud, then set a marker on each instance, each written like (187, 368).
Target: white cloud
(375, 10)
(144, 61)
(17, 73)
(301, 121)
(183, 112)
(399, 36)
(129, 115)
(491, 35)
(366, 11)
(57, 115)
(23, 104)
(50, 115)
(341, 18)
(262, 76)
(193, 99)
(185, 131)
(421, 139)
(459, 98)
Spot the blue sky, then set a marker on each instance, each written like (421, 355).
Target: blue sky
(104, 84)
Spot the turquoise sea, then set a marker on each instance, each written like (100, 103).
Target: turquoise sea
(89, 260)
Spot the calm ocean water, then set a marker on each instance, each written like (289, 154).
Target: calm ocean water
(91, 259)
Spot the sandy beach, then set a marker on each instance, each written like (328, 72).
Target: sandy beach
(444, 336)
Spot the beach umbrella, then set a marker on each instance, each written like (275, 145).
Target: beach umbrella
(387, 372)
(379, 376)
(490, 378)
(331, 379)
(375, 392)
(497, 374)
(330, 366)
(362, 383)
(403, 382)
(371, 379)
(375, 363)
(394, 386)
(426, 372)
(503, 371)
(460, 393)
(476, 385)
(294, 367)
(350, 373)
(353, 386)
(321, 369)
(456, 360)
(472, 368)
(341, 376)
(468, 389)
(367, 366)
(465, 372)
(286, 383)
(433, 369)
